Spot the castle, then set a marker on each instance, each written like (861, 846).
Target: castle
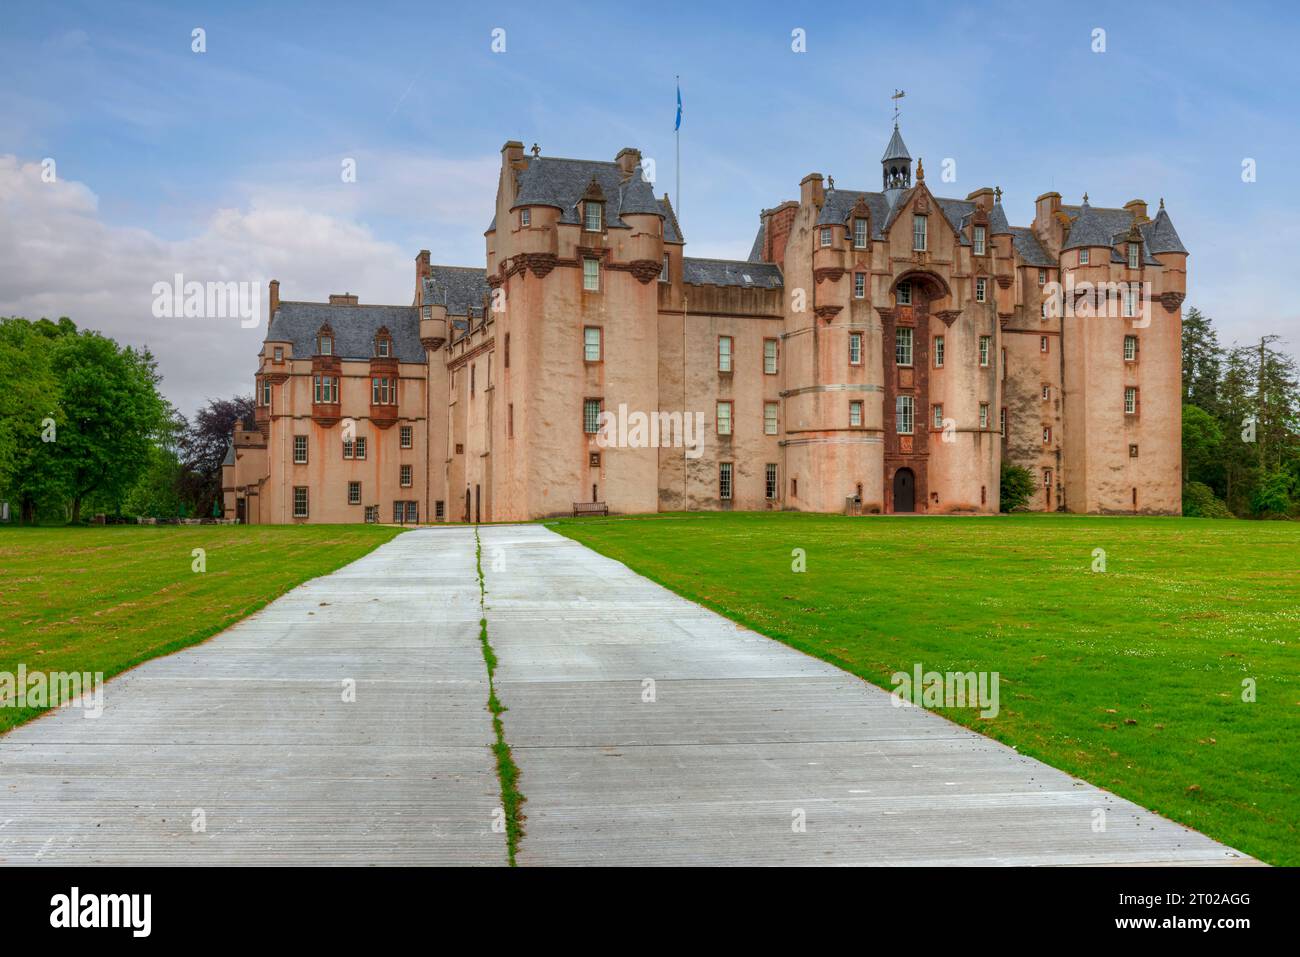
(879, 352)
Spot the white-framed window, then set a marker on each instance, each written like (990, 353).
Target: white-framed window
(855, 348)
(770, 412)
(354, 493)
(1130, 348)
(724, 481)
(981, 289)
(978, 240)
(1047, 393)
(859, 285)
(903, 294)
(918, 233)
(525, 218)
(299, 501)
(326, 389)
(938, 352)
(860, 233)
(1083, 257)
(986, 343)
(1002, 420)
(266, 392)
(279, 353)
(1047, 435)
(406, 436)
(591, 416)
(383, 390)
(825, 235)
(724, 353)
(347, 448)
(938, 417)
(1047, 478)
(359, 448)
(984, 415)
(724, 418)
(1130, 302)
(1130, 401)
(769, 357)
(591, 351)
(300, 450)
(1134, 255)
(663, 272)
(382, 347)
(404, 474)
(1044, 344)
(904, 409)
(1042, 277)
(855, 413)
(326, 345)
(903, 345)
(591, 275)
(593, 216)
(770, 481)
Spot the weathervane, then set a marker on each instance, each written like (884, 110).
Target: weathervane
(898, 95)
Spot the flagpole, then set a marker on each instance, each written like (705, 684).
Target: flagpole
(677, 135)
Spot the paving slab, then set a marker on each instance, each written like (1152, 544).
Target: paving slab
(747, 738)
(251, 728)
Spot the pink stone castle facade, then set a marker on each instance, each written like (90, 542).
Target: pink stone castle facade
(879, 352)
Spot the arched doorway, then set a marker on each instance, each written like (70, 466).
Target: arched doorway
(904, 491)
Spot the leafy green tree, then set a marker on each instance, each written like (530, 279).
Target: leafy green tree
(30, 411)
(1017, 486)
(1202, 445)
(1272, 496)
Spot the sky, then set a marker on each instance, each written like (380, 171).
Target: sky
(128, 157)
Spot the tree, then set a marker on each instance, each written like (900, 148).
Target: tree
(203, 449)
(1017, 486)
(1202, 359)
(30, 411)
(1202, 444)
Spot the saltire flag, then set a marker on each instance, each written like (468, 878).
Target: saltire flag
(679, 107)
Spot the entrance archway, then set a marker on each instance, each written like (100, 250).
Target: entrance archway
(904, 491)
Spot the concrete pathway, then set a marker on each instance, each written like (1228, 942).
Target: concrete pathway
(251, 730)
(745, 736)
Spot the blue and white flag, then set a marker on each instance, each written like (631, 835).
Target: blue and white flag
(679, 107)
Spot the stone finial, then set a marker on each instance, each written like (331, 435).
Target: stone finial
(1085, 197)
(920, 171)
(1162, 202)
(997, 194)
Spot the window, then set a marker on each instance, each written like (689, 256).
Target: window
(1047, 478)
(1130, 401)
(591, 275)
(299, 501)
(383, 347)
(985, 343)
(1043, 344)
(724, 353)
(770, 418)
(1132, 451)
(769, 357)
(794, 488)
(510, 421)
(413, 512)
(978, 240)
(903, 345)
(663, 272)
(1004, 365)
(406, 436)
(1130, 302)
(347, 448)
(769, 481)
(383, 390)
(860, 234)
(266, 392)
(354, 493)
(859, 285)
(399, 512)
(938, 352)
(1047, 393)
(855, 348)
(1130, 348)
(439, 510)
(1042, 277)
(984, 415)
(1134, 256)
(826, 235)
(938, 417)
(591, 416)
(405, 474)
(325, 345)
(855, 414)
(903, 295)
(279, 354)
(525, 218)
(326, 389)
(372, 514)
(1047, 435)
(507, 351)
(593, 217)
(1002, 420)
(360, 449)
(903, 410)
(918, 233)
(981, 289)
(1083, 257)
(591, 344)
(593, 460)
(724, 418)
(300, 450)
(724, 481)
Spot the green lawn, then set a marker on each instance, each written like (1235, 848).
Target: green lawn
(106, 599)
(1130, 679)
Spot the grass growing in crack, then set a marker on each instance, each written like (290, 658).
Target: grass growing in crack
(507, 770)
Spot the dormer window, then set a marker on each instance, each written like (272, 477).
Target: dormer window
(918, 233)
(382, 348)
(978, 240)
(1134, 255)
(593, 216)
(1083, 257)
(826, 236)
(859, 233)
(325, 342)
(525, 218)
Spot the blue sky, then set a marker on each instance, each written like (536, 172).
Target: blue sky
(227, 163)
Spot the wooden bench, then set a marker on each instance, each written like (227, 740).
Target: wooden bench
(589, 508)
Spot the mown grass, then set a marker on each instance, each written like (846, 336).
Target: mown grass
(1131, 678)
(106, 599)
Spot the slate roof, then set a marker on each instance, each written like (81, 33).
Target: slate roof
(354, 328)
(730, 272)
(998, 224)
(896, 148)
(1095, 227)
(840, 202)
(460, 288)
(1160, 235)
(756, 250)
(1026, 243)
(553, 181)
(230, 453)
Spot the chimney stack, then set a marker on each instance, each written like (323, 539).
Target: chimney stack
(343, 299)
(1138, 207)
(274, 286)
(628, 159)
(811, 191)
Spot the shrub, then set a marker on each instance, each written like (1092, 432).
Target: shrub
(1016, 487)
(1199, 501)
